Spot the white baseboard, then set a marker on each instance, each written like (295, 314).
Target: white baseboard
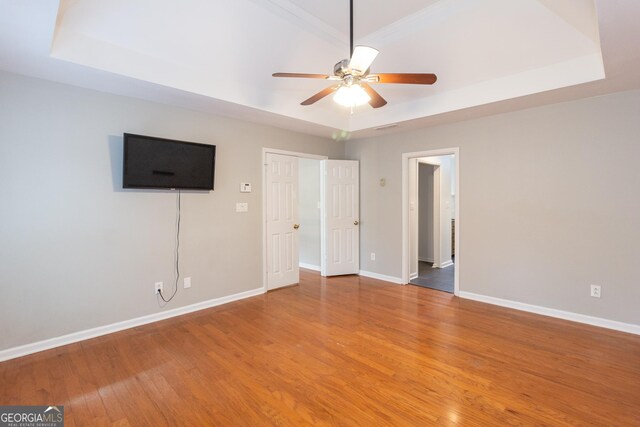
(413, 276)
(23, 350)
(446, 264)
(552, 312)
(309, 266)
(425, 259)
(391, 279)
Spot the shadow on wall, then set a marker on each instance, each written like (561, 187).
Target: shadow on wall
(115, 153)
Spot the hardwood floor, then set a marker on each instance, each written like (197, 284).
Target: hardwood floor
(342, 351)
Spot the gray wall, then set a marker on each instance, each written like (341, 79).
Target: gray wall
(549, 203)
(425, 212)
(309, 212)
(76, 251)
(446, 212)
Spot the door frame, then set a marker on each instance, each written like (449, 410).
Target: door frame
(263, 220)
(406, 240)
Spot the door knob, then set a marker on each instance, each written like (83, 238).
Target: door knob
(296, 226)
(356, 222)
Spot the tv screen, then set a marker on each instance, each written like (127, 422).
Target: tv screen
(151, 162)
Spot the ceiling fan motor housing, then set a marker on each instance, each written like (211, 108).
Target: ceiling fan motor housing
(342, 68)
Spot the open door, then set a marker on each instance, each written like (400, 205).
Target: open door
(340, 225)
(282, 220)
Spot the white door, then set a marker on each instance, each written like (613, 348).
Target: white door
(282, 220)
(340, 243)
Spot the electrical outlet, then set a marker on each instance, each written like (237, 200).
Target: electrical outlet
(158, 287)
(187, 282)
(373, 256)
(595, 291)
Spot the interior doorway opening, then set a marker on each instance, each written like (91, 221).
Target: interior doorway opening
(291, 212)
(433, 222)
(309, 209)
(430, 219)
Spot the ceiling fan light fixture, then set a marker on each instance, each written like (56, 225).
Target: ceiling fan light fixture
(351, 96)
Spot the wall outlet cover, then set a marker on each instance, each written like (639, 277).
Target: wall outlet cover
(157, 287)
(187, 282)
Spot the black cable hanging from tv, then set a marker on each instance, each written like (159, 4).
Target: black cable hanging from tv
(177, 251)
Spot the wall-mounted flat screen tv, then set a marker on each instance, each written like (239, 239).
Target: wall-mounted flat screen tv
(151, 162)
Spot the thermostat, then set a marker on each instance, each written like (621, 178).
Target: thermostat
(245, 187)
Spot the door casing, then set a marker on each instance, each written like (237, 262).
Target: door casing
(406, 240)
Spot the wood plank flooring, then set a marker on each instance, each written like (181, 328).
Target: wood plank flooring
(340, 351)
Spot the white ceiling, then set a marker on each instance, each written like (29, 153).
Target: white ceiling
(218, 56)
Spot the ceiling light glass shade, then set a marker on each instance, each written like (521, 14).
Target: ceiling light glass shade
(351, 96)
(362, 58)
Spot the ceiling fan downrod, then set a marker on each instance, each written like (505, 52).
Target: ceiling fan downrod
(351, 28)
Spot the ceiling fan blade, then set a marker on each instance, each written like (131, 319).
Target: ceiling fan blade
(376, 101)
(362, 58)
(302, 75)
(318, 96)
(404, 78)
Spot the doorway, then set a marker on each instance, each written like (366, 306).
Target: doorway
(431, 225)
(309, 209)
(311, 216)
(291, 212)
(432, 257)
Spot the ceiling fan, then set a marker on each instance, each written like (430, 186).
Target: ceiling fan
(353, 77)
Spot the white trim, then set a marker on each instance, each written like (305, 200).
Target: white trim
(23, 350)
(323, 218)
(413, 276)
(406, 241)
(309, 266)
(264, 200)
(552, 312)
(446, 264)
(425, 259)
(292, 153)
(386, 278)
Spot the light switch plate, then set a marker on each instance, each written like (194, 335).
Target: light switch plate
(245, 187)
(242, 207)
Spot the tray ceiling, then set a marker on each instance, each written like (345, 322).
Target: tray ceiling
(218, 55)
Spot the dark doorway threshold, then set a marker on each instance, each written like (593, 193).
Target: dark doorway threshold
(439, 279)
